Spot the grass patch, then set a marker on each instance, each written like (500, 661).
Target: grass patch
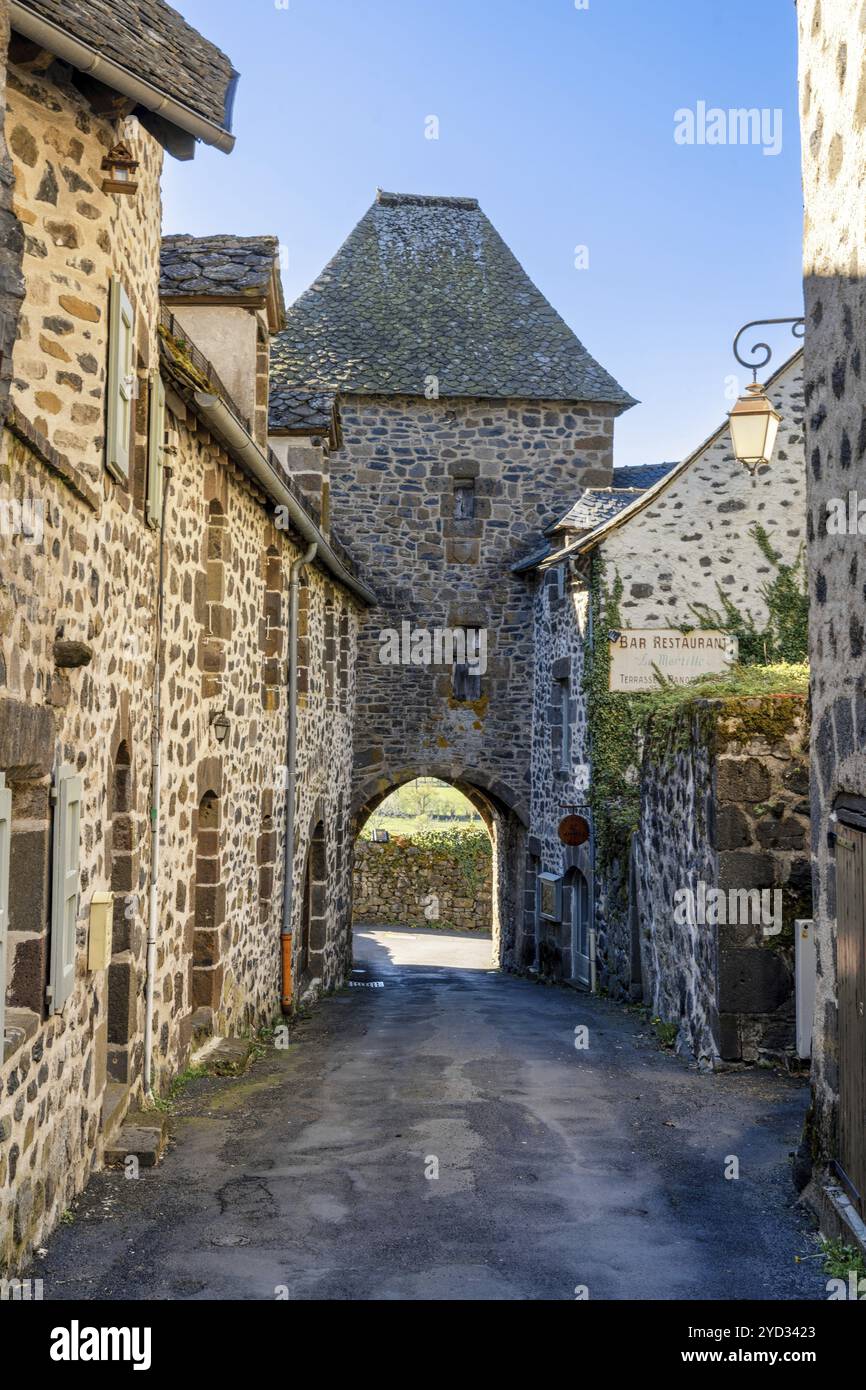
(177, 1087)
(841, 1259)
(666, 1033)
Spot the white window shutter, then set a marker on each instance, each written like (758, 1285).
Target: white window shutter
(121, 381)
(64, 897)
(155, 448)
(5, 833)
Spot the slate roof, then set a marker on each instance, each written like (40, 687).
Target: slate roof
(153, 42)
(217, 265)
(425, 286)
(309, 411)
(597, 504)
(642, 475)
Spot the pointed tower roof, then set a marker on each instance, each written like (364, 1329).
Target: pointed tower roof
(426, 287)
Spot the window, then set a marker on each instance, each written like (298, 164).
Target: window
(464, 499)
(5, 831)
(155, 448)
(64, 888)
(470, 644)
(563, 693)
(121, 381)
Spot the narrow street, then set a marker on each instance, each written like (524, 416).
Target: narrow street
(557, 1167)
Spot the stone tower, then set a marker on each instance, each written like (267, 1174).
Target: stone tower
(467, 416)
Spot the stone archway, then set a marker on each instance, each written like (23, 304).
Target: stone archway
(506, 818)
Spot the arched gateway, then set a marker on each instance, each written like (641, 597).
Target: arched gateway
(462, 414)
(506, 819)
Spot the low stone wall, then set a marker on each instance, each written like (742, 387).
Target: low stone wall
(438, 883)
(720, 873)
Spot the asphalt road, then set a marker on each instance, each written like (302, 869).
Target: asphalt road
(599, 1168)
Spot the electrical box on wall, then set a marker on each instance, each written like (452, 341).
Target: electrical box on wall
(99, 937)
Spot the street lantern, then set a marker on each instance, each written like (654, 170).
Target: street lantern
(120, 166)
(754, 427)
(221, 724)
(754, 419)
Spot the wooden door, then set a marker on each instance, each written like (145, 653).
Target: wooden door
(851, 993)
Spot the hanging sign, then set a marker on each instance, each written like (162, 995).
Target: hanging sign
(639, 655)
(574, 831)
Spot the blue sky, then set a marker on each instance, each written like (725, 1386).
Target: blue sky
(561, 121)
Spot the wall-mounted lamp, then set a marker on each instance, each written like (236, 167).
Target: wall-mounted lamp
(120, 166)
(754, 420)
(220, 723)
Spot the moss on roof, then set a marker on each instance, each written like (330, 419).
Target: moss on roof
(424, 287)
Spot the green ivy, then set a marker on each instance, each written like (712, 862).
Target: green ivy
(469, 849)
(785, 638)
(619, 723)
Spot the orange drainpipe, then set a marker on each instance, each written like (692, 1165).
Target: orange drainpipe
(288, 982)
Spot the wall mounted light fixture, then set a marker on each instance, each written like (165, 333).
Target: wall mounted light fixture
(754, 419)
(120, 166)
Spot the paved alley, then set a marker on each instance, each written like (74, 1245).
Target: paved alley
(557, 1167)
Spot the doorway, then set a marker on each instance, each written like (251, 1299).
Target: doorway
(579, 921)
(851, 992)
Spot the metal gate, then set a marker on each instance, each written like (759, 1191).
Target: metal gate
(851, 993)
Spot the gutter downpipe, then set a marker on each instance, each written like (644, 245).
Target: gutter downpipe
(286, 990)
(155, 800)
(233, 434)
(86, 59)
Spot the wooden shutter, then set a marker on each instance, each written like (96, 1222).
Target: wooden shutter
(155, 445)
(5, 832)
(64, 898)
(121, 339)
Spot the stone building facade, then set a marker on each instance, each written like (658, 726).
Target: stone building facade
(721, 875)
(833, 118)
(672, 546)
(147, 546)
(461, 423)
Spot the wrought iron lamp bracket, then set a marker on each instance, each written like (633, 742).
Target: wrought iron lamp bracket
(762, 352)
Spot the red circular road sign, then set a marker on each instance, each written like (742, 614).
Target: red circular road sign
(574, 830)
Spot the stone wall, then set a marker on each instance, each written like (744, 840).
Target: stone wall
(78, 641)
(833, 119)
(420, 885)
(724, 810)
(11, 234)
(79, 575)
(396, 482)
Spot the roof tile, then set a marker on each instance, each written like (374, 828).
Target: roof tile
(152, 41)
(425, 287)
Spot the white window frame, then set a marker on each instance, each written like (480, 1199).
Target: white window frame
(121, 382)
(5, 838)
(65, 884)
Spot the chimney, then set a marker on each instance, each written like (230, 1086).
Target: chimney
(226, 293)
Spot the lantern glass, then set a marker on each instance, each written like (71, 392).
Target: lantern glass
(754, 428)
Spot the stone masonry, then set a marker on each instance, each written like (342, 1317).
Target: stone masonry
(80, 562)
(666, 555)
(462, 426)
(833, 119)
(419, 885)
(724, 804)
